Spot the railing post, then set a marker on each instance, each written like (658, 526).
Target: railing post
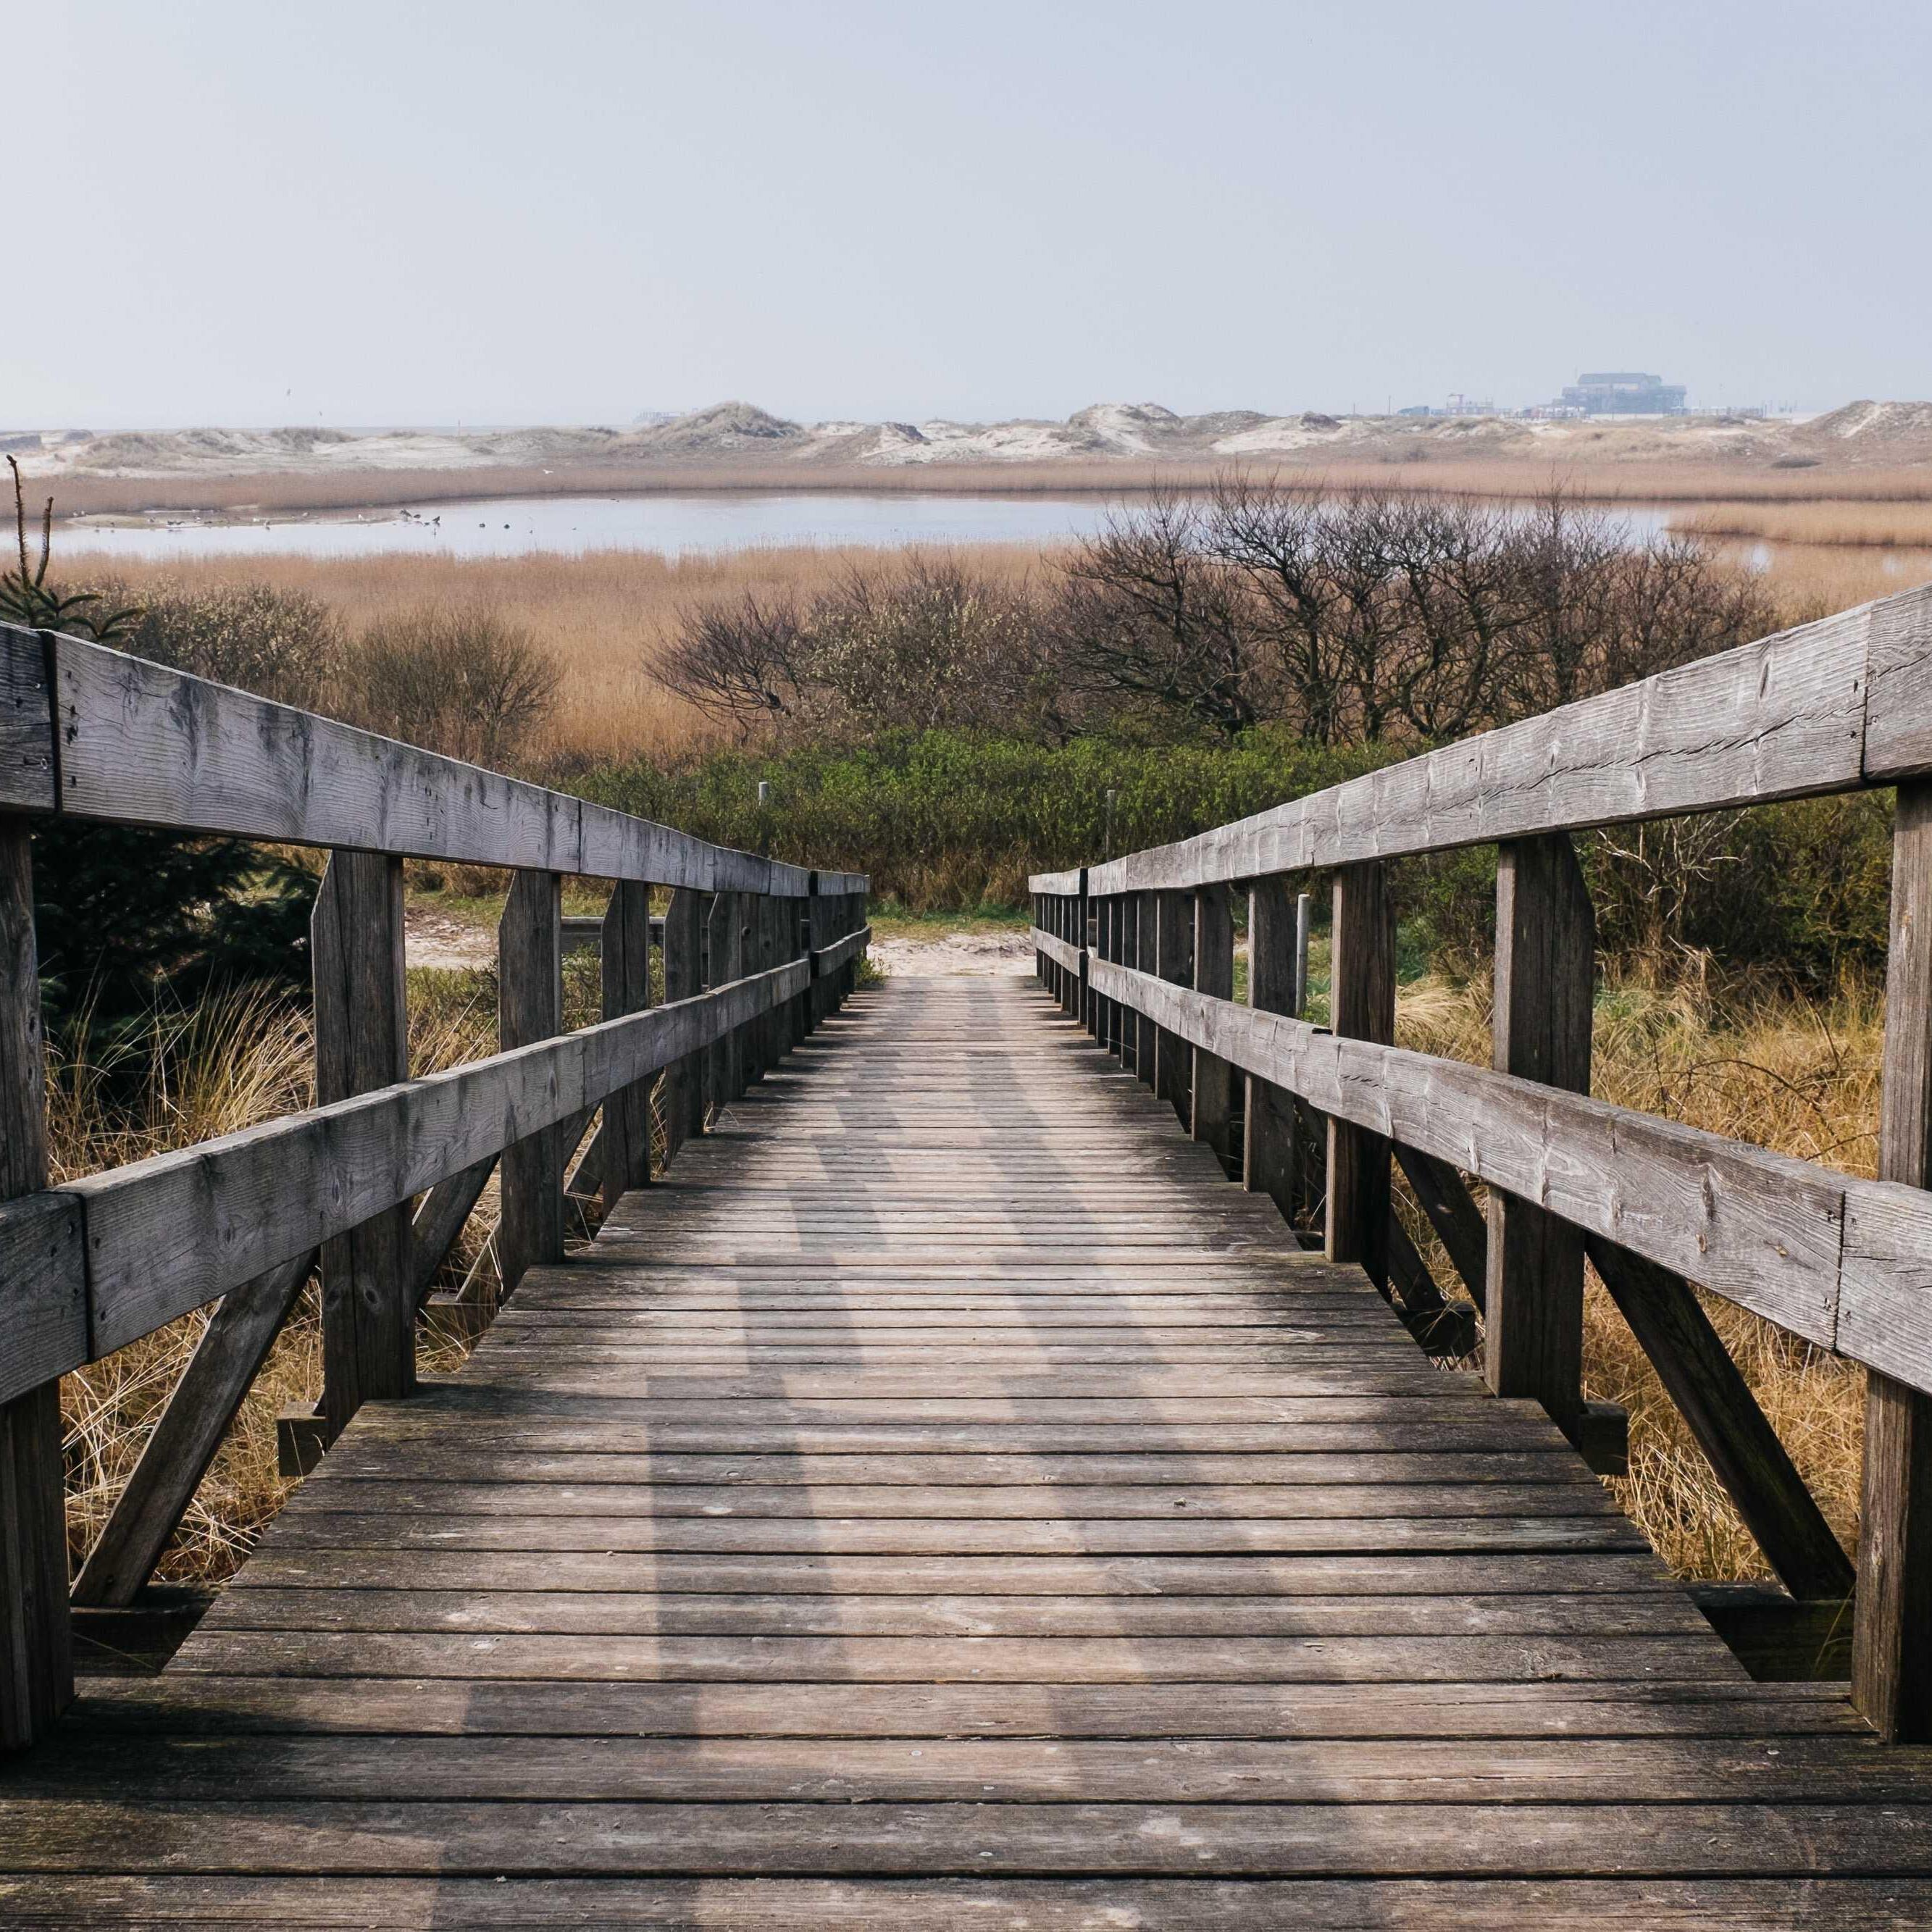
(361, 1043)
(1545, 983)
(1214, 1078)
(764, 948)
(1268, 1140)
(726, 930)
(1130, 956)
(1090, 1016)
(1083, 939)
(529, 953)
(1891, 1641)
(807, 918)
(1174, 956)
(626, 948)
(1110, 950)
(1069, 916)
(1147, 938)
(1361, 1005)
(683, 1087)
(36, 1634)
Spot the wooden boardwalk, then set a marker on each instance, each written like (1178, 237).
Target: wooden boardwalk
(947, 1501)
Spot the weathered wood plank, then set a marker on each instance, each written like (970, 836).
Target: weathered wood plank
(1795, 1839)
(1891, 1672)
(625, 980)
(683, 977)
(1062, 1904)
(842, 952)
(36, 1648)
(1361, 1001)
(26, 722)
(1717, 1403)
(1213, 1080)
(529, 953)
(1546, 975)
(1782, 718)
(362, 1045)
(196, 1705)
(142, 744)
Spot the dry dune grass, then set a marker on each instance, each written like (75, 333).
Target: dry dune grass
(231, 1063)
(1756, 1066)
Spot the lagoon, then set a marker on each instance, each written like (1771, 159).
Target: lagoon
(671, 525)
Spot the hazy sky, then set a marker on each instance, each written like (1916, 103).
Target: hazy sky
(414, 211)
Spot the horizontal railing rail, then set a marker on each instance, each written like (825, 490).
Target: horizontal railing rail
(1140, 950)
(91, 732)
(1833, 706)
(375, 1183)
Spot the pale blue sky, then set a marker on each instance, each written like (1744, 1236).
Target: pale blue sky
(254, 211)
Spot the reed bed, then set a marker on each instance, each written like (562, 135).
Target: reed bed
(1409, 460)
(602, 616)
(1846, 525)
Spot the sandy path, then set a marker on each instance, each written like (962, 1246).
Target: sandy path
(433, 939)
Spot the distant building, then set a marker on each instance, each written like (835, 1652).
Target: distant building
(1621, 392)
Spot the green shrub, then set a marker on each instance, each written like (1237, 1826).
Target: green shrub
(952, 819)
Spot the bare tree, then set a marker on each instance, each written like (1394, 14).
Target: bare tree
(1273, 538)
(742, 664)
(1147, 614)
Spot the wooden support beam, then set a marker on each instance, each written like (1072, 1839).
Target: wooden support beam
(530, 1008)
(1445, 1197)
(1545, 983)
(1213, 1079)
(36, 1633)
(1361, 1005)
(440, 1217)
(1716, 1403)
(199, 1413)
(1268, 1164)
(626, 946)
(1892, 1645)
(1446, 1329)
(683, 945)
(362, 1044)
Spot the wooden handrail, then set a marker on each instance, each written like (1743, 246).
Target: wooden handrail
(1833, 706)
(91, 732)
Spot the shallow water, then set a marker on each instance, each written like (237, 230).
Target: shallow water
(509, 527)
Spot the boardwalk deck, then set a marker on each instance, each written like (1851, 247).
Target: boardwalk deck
(947, 1502)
